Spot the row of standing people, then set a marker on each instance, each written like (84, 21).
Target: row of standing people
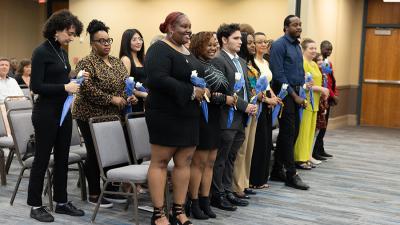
(172, 112)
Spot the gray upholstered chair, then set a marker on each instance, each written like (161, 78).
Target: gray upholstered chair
(5, 142)
(140, 144)
(78, 148)
(139, 138)
(21, 129)
(112, 151)
(15, 102)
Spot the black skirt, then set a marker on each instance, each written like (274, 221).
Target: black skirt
(210, 133)
(171, 130)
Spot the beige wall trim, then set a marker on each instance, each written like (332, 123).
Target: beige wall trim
(342, 121)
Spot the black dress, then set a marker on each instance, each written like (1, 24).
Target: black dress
(172, 117)
(210, 133)
(140, 76)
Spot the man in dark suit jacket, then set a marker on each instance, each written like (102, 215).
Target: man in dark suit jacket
(229, 63)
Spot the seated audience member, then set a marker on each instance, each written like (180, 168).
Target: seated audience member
(13, 67)
(8, 85)
(23, 76)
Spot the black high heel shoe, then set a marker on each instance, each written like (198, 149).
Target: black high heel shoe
(177, 209)
(157, 214)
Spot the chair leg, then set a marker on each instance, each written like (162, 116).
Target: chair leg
(2, 169)
(49, 189)
(135, 203)
(10, 158)
(21, 174)
(98, 202)
(82, 181)
(47, 186)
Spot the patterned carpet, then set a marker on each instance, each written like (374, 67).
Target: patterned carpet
(360, 185)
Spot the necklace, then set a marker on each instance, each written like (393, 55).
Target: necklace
(62, 59)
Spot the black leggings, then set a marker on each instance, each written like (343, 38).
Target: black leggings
(48, 135)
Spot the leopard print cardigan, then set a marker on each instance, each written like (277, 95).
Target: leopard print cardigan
(95, 94)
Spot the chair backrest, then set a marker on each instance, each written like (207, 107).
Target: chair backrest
(3, 130)
(138, 137)
(109, 142)
(75, 137)
(26, 91)
(21, 129)
(17, 102)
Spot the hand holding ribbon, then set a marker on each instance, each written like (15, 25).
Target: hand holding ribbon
(129, 87)
(261, 86)
(201, 83)
(309, 79)
(239, 83)
(68, 102)
(278, 108)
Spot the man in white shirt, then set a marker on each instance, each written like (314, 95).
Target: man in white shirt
(8, 87)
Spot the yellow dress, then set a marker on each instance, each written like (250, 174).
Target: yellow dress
(303, 146)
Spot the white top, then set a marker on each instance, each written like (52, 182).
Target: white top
(264, 69)
(9, 87)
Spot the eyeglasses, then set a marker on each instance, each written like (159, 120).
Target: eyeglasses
(103, 41)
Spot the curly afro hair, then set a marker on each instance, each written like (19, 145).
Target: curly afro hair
(59, 21)
(95, 26)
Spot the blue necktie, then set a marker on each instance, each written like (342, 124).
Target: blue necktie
(240, 70)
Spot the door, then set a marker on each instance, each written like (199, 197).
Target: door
(380, 104)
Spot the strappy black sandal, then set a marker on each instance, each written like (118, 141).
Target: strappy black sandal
(177, 209)
(158, 213)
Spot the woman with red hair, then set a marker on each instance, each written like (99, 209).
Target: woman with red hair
(172, 115)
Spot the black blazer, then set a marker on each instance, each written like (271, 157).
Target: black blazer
(224, 63)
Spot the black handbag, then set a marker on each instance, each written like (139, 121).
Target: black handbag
(30, 147)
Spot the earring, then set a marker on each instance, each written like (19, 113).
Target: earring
(56, 37)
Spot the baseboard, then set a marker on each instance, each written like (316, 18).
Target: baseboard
(342, 121)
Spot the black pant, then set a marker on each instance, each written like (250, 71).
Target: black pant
(50, 136)
(231, 140)
(319, 142)
(260, 160)
(288, 132)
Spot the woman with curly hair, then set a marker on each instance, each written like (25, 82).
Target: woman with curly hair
(50, 80)
(204, 47)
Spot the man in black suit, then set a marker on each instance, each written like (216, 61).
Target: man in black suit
(229, 63)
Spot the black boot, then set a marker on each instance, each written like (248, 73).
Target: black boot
(197, 213)
(204, 203)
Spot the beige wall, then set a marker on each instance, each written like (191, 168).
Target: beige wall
(339, 21)
(263, 15)
(21, 24)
